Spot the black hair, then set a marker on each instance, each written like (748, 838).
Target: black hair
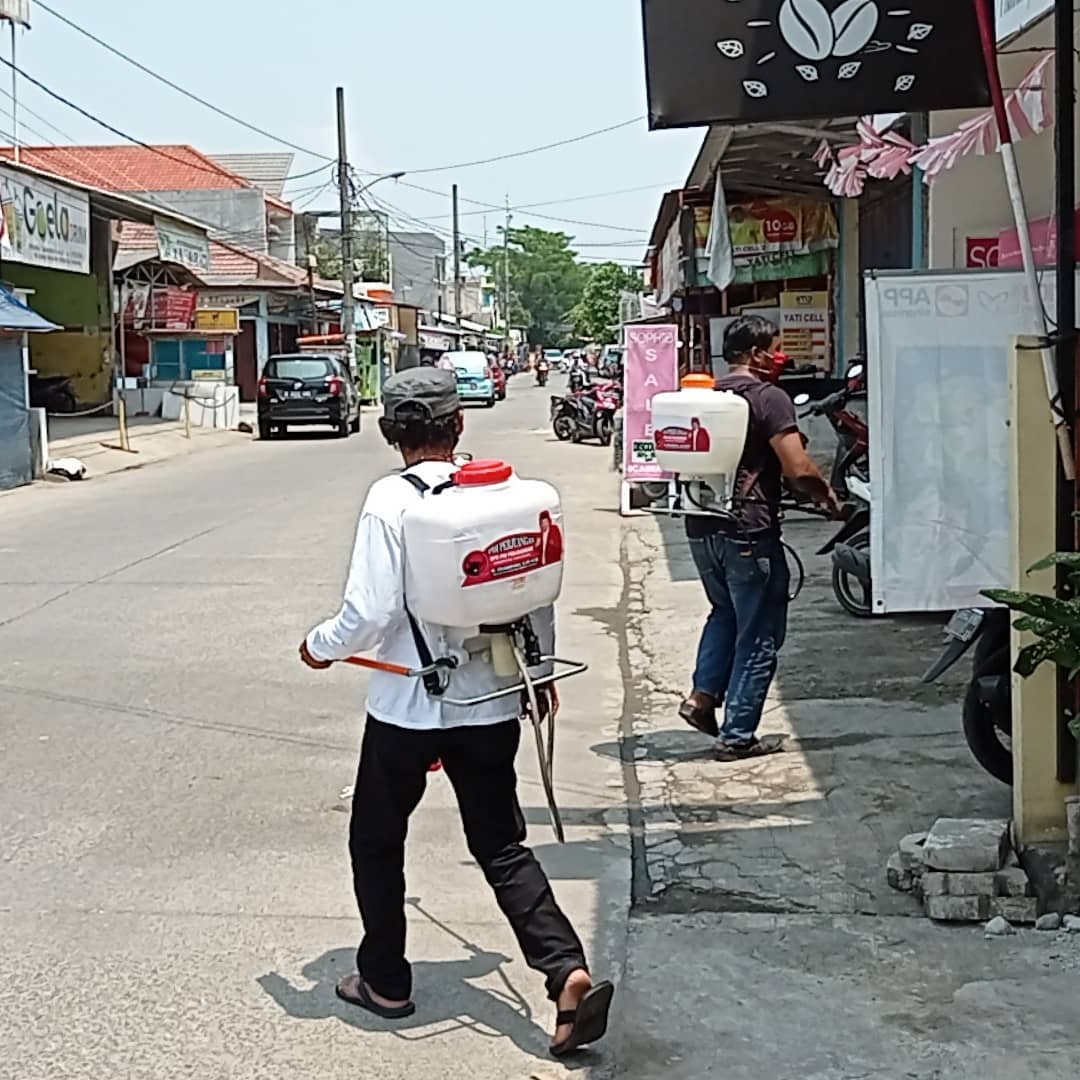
(747, 333)
(411, 430)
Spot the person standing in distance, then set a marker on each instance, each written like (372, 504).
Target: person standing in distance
(742, 563)
(408, 730)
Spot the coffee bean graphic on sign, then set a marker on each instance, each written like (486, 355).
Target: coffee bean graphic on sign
(723, 61)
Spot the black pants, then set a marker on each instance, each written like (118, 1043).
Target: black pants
(479, 762)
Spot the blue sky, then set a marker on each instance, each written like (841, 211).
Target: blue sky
(428, 84)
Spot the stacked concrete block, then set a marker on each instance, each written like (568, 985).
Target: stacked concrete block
(964, 871)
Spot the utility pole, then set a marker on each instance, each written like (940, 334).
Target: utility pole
(506, 278)
(439, 285)
(348, 300)
(457, 260)
(1066, 342)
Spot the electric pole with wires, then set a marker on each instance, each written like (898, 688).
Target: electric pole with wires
(457, 258)
(345, 194)
(506, 278)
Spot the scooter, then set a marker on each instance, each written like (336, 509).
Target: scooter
(987, 713)
(587, 414)
(852, 433)
(577, 380)
(850, 549)
(542, 370)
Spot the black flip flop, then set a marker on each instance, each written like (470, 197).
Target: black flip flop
(703, 720)
(771, 744)
(363, 999)
(589, 1020)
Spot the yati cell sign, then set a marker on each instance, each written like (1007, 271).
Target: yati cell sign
(760, 60)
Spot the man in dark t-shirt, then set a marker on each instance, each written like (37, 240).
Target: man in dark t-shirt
(742, 563)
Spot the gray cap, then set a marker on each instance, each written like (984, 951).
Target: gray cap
(424, 389)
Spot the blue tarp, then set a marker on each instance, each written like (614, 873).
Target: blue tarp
(15, 315)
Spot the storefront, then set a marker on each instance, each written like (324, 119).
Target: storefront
(56, 242)
(785, 265)
(436, 340)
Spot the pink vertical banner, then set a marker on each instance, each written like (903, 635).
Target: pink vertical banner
(651, 367)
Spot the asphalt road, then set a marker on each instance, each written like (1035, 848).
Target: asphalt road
(174, 890)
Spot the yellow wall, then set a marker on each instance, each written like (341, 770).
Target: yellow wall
(85, 356)
(1038, 798)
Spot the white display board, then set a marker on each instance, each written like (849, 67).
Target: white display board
(938, 346)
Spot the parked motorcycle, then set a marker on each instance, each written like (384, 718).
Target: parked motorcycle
(588, 413)
(852, 434)
(53, 393)
(987, 713)
(852, 582)
(852, 579)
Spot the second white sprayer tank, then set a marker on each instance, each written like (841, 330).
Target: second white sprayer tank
(700, 432)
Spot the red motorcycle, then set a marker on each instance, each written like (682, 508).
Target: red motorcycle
(852, 433)
(588, 413)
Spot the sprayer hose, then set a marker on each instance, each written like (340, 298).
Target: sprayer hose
(545, 754)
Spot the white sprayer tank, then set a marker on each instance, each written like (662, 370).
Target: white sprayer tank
(700, 432)
(485, 552)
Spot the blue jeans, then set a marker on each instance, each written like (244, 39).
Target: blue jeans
(747, 582)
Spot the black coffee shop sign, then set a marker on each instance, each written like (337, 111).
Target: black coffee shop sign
(727, 61)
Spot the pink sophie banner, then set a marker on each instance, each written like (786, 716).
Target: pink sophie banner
(651, 367)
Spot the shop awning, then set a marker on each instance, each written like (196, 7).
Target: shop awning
(17, 316)
(768, 159)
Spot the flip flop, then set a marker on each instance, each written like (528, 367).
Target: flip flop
(703, 720)
(589, 1019)
(771, 744)
(353, 989)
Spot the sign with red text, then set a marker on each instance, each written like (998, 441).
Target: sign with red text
(982, 252)
(650, 367)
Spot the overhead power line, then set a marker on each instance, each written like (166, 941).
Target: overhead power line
(199, 99)
(189, 93)
(213, 170)
(531, 150)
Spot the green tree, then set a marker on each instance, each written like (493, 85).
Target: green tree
(546, 280)
(596, 315)
(327, 252)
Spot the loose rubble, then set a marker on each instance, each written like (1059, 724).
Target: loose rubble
(999, 927)
(965, 870)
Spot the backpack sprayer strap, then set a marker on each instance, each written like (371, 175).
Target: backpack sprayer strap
(433, 681)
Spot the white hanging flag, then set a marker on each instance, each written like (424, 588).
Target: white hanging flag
(721, 258)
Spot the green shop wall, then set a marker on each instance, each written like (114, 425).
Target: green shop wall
(82, 349)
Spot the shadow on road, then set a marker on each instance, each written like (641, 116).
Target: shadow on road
(447, 1002)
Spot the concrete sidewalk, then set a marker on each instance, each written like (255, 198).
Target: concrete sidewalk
(765, 940)
(94, 440)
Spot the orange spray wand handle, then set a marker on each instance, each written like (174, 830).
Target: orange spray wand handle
(379, 665)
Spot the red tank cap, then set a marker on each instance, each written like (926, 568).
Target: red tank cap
(477, 473)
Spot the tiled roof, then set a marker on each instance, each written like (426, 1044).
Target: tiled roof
(131, 168)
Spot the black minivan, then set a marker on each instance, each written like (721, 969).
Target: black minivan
(304, 389)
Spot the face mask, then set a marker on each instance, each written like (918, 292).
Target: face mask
(769, 366)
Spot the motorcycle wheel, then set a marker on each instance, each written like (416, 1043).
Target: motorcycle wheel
(605, 430)
(854, 597)
(564, 428)
(988, 740)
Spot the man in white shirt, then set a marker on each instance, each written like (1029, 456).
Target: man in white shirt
(408, 730)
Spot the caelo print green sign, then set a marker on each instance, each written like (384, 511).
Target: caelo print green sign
(768, 60)
(44, 224)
